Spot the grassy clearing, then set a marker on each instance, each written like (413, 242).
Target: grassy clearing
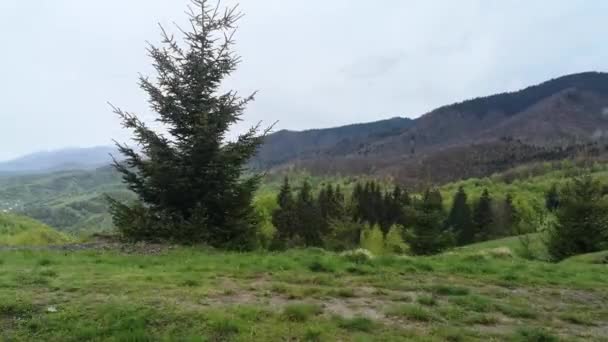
(304, 295)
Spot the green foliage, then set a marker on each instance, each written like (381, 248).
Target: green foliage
(344, 234)
(190, 182)
(552, 198)
(483, 217)
(582, 220)
(309, 225)
(393, 241)
(284, 218)
(459, 220)
(428, 234)
(372, 239)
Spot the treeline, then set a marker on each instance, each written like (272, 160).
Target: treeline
(338, 220)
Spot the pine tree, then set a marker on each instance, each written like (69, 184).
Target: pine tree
(504, 215)
(309, 223)
(189, 180)
(459, 219)
(428, 234)
(582, 220)
(552, 198)
(483, 217)
(432, 199)
(284, 217)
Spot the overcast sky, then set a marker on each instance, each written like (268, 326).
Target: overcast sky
(316, 63)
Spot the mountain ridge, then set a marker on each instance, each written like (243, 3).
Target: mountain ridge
(71, 158)
(561, 113)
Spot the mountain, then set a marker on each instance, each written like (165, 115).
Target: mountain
(285, 146)
(70, 201)
(560, 118)
(65, 159)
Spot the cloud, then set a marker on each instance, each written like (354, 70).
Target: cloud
(316, 63)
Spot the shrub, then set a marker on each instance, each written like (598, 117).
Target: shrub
(344, 234)
(393, 241)
(372, 239)
(358, 256)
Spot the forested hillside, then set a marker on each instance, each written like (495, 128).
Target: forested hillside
(71, 201)
(560, 118)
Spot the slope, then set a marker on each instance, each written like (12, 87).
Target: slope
(22, 231)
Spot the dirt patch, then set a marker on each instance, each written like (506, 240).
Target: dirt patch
(101, 243)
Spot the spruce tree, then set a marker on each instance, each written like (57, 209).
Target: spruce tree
(428, 234)
(284, 217)
(483, 218)
(582, 220)
(309, 223)
(504, 215)
(459, 219)
(189, 180)
(552, 198)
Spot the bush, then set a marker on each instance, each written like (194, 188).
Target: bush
(372, 239)
(344, 234)
(358, 256)
(393, 241)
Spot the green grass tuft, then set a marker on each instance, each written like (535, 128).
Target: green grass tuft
(362, 324)
(301, 312)
(412, 312)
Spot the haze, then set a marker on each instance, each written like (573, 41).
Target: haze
(316, 63)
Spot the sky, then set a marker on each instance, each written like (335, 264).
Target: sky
(315, 63)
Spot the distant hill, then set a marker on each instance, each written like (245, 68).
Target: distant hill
(65, 159)
(557, 119)
(22, 231)
(70, 201)
(286, 146)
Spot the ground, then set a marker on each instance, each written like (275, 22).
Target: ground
(191, 294)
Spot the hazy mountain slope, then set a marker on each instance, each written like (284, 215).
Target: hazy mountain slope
(68, 201)
(568, 107)
(65, 159)
(555, 119)
(285, 146)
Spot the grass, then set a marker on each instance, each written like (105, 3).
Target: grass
(187, 294)
(363, 324)
(412, 312)
(22, 231)
(301, 312)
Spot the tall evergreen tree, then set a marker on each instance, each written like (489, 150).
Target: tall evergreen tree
(504, 215)
(582, 220)
(459, 219)
(483, 217)
(552, 198)
(190, 181)
(284, 217)
(428, 234)
(432, 199)
(309, 223)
